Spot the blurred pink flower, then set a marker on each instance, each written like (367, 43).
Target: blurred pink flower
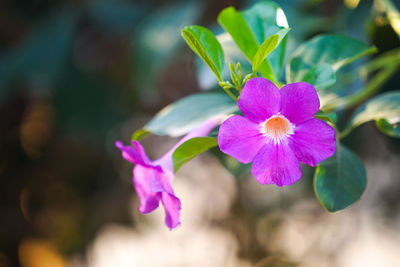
(278, 131)
(152, 179)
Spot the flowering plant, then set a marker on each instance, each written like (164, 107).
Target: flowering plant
(152, 179)
(289, 109)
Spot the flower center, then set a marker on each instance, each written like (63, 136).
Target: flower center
(277, 127)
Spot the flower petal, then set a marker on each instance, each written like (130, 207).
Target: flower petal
(161, 182)
(240, 138)
(313, 141)
(299, 102)
(149, 200)
(172, 207)
(152, 185)
(259, 100)
(134, 154)
(203, 130)
(276, 164)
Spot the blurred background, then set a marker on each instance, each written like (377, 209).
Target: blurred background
(77, 75)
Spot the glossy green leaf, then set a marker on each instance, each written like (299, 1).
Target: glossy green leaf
(205, 44)
(350, 89)
(192, 148)
(331, 117)
(189, 112)
(262, 20)
(387, 128)
(321, 76)
(282, 34)
(333, 49)
(235, 24)
(385, 106)
(266, 18)
(340, 180)
(139, 134)
(267, 47)
(232, 53)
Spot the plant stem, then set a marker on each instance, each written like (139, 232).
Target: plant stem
(338, 134)
(345, 132)
(391, 57)
(230, 94)
(225, 86)
(371, 88)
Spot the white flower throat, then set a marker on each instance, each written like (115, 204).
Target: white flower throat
(277, 127)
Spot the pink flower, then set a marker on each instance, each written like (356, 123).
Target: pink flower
(152, 179)
(278, 131)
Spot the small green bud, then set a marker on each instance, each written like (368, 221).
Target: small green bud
(247, 77)
(238, 67)
(239, 74)
(232, 67)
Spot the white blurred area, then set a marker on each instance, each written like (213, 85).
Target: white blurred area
(283, 223)
(206, 195)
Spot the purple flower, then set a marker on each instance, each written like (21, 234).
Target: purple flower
(278, 131)
(152, 179)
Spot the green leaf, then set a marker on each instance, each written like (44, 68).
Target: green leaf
(189, 112)
(321, 76)
(205, 44)
(139, 134)
(282, 34)
(331, 117)
(331, 49)
(387, 128)
(267, 47)
(385, 106)
(350, 89)
(235, 24)
(266, 18)
(232, 53)
(262, 20)
(340, 180)
(192, 148)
